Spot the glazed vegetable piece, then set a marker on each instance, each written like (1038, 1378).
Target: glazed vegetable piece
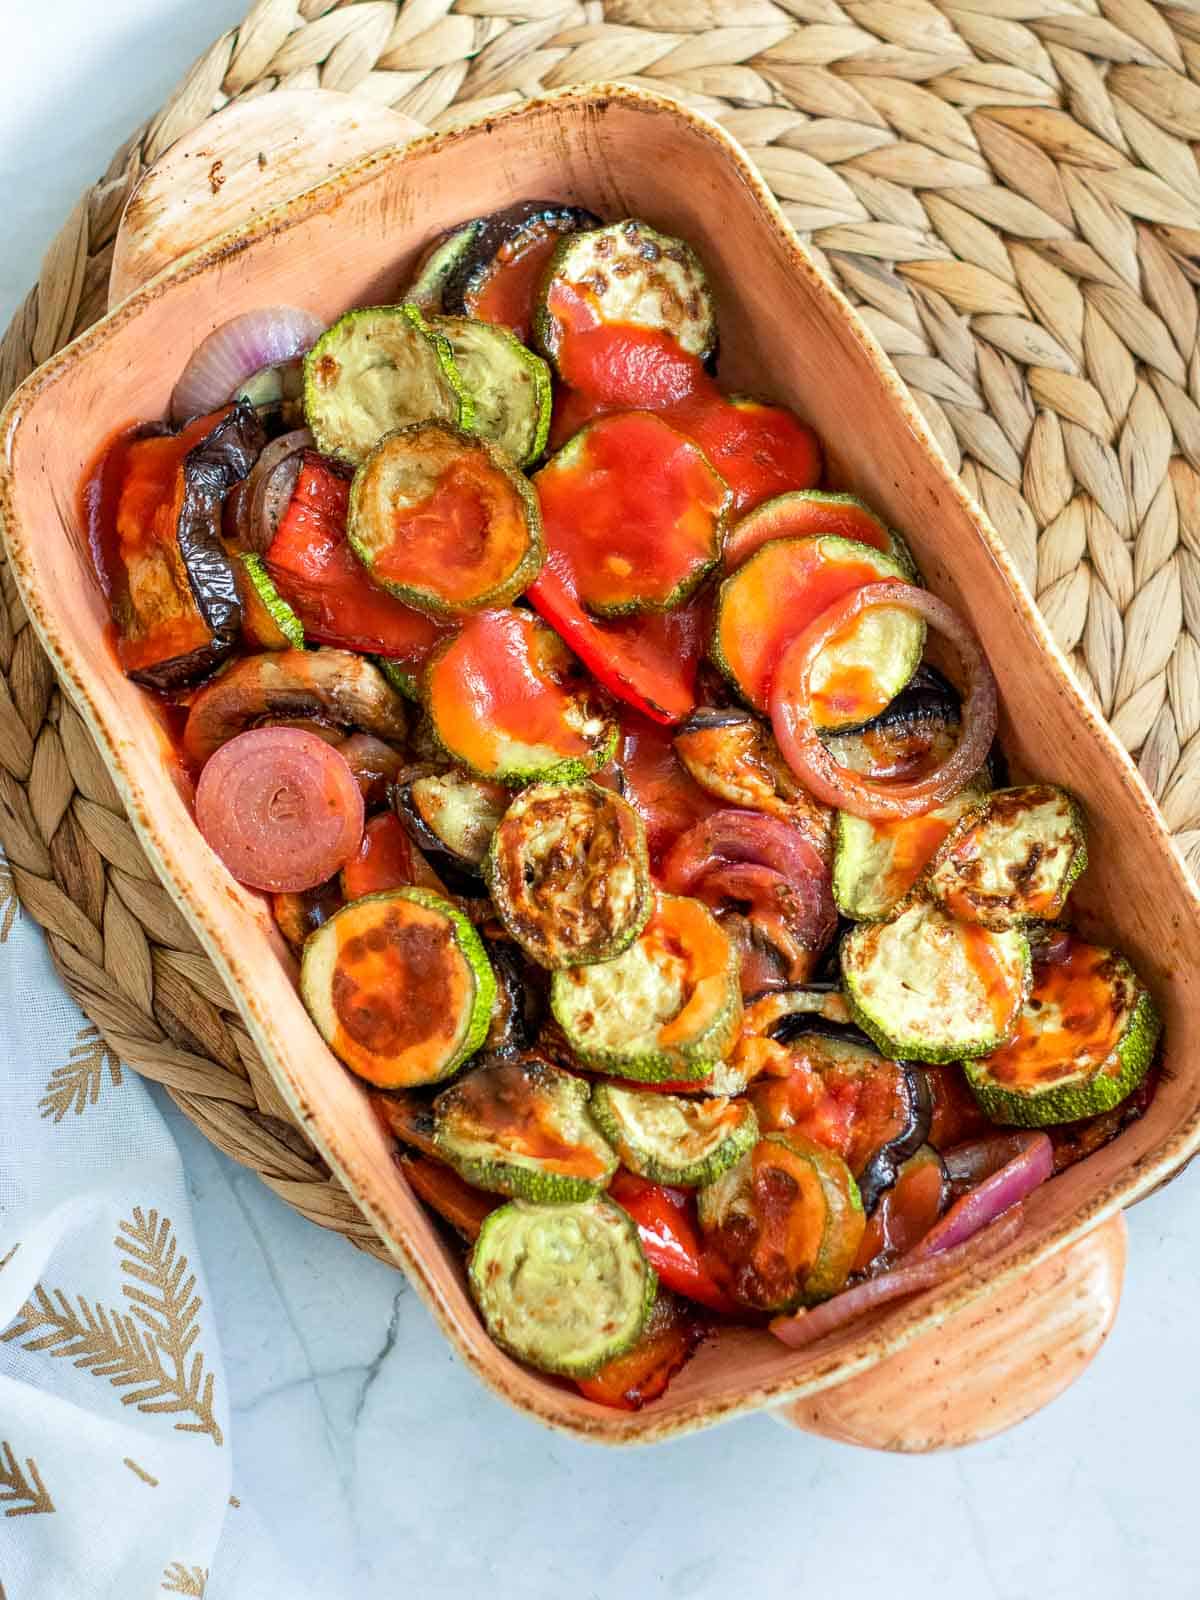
(669, 1340)
(776, 595)
(785, 1224)
(281, 809)
(630, 276)
(733, 756)
(495, 275)
(636, 513)
(375, 764)
(906, 1212)
(173, 588)
(525, 1129)
(301, 912)
(1084, 1041)
(376, 370)
(795, 718)
(330, 686)
(506, 700)
(400, 987)
(805, 513)
(508, 384)
(319, 576)
(759, 449)
(1014, 860)
(926, 988)
(666, 1008)
(518, 1008)
(459, 811)
(565, 1287)
(673, 1140)
(1004, 1171)
(444, 521)
(955, 1115)
(255, 507)
(911, 737)
(407, 1115)
(658, 785)
(876, 865)
(384, 860)
(440, 1187)
(666, 1222)
(267, 619)
(568, 873)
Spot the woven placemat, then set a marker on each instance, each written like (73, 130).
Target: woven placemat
(1009, 191)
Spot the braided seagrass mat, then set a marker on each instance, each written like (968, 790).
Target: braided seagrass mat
(1009, 191)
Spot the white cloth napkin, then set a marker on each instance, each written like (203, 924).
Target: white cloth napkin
(116, 1475)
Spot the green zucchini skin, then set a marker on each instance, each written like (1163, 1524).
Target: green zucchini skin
(437, 265)
(565, 1288)
(319, 963)
(1081, 1085)
(619, 996)
(627, 1118)
(416, 380)
(508, 384)
(863, 856)
(277, 608)
(642, 277)
(400, 678)
(910, 987)
(569, 875)
(480, 1119)
(1015, 860)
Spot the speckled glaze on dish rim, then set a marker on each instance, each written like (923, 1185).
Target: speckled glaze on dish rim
(544, 1398)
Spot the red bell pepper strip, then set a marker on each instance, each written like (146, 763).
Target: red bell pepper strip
(465, 1208)
(669, 1238)
(627, 1382)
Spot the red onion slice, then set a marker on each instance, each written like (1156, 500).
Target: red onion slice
(803, 750)
(908, 1278)
(281, 808)
(1012, 1179)
(270, 487)
(238, 349)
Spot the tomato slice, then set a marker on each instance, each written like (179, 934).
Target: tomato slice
(281, 808)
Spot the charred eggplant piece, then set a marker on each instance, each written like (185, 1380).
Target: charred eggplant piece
(519, 1006)
(883, 1168)
(450, 816)
(915, 732)
(300, 914)
(175, 598)
(526, 233)
(732, 755)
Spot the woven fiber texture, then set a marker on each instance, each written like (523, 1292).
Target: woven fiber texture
(1009, 191)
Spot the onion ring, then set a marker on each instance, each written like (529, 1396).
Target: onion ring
(796, 733)
(1012, 1178)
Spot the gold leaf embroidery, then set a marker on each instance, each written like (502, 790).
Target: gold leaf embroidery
(27, 1495)
(151, 1347)
(4, 1260)
(178, 1579)
(10, 906)
(77, 1083)
(139, 1472)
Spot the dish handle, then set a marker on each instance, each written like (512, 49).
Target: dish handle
(988, 1366)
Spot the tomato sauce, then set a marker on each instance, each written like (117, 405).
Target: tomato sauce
(1076, 986)
(993, 975)
(510, 292)
(515, 1115)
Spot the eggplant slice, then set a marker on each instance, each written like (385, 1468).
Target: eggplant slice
(918, 729)
(497, 240)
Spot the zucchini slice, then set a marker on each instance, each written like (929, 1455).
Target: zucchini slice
(785, 1224)
(1085, 1041)
(444, 521)
(1015, 861)
(667, 1008)
(564, 1287)
(460, 811)
(568, 873)
(508, 383)
(876, 865)
(926, 988)
(400, 678)
(496, 277)
(912, 734)
(631, 275)
(507, 699)
(669, 1139)
(436, 264)
(266, 616)
(805, 513)
(634, 509)
(524, 1129)
(399, 986)
(775, 594)
(376, 370)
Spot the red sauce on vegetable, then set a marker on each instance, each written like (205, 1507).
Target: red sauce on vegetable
(515, 1116)
(658, 786)
(510, 292)
(1078, 983)
(384, 860)
(914, 841)
(994, 976)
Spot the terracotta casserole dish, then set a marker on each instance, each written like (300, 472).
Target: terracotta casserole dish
(786, 334)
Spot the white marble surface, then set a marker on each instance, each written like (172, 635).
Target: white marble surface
(383, 1468)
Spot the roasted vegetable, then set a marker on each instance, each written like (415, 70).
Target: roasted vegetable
(785, 585)
(519, 1006)
(375, 765)
(444, 521)
(666, 1008)
(732, 755)
(507, 700)
(509, 385)
(913, 734)
(456, 814)
(876, 865)
(564, 1287)
(1014, 860)
(925, 988)
(267, 619)
(331, 686)
(436, 263)
(667, 1227)
(399, 986)
(523, 1128)
(629, 276)
(173, 586)
(443, 1191)
(635, 511)
(805, 513)
(376, 370)
(385, 860)
(568, 873)
(672, 1332)
(1084, 1041)
(495, 275)
(300, 913)
(669, 1139)
(906, 1211)
(785, 1224)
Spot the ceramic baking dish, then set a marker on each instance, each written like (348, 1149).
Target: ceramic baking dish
(784, 333)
